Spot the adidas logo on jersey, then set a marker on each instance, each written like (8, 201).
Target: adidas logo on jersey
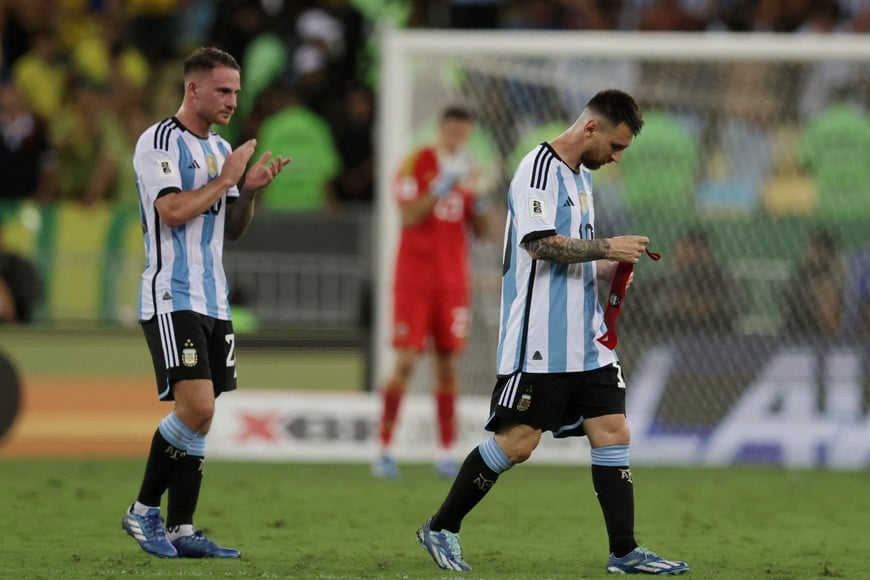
(167, 296)
(568, 203)
(193, 165)
(537, 355)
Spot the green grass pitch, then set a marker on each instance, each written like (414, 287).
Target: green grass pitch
(61, 519)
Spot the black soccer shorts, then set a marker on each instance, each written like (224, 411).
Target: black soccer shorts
(557, 402)
(187, 345)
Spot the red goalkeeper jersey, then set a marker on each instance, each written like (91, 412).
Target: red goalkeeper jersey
(434, 251)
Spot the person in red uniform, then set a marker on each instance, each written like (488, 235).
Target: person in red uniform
(435, 190)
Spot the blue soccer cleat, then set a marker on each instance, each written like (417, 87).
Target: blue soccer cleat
(642, 561)
(199, 546)
(149, 532)
(443, 546)
(385, 468)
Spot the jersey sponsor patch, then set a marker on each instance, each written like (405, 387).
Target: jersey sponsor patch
(166, 168)
(537, 209)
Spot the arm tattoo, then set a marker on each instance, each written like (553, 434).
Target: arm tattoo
(238, 218)
(565, 250)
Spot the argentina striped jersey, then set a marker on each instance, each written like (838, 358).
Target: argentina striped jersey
(183, 264)
(550, 314)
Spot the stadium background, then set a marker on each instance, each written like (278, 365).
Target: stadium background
(759, 154)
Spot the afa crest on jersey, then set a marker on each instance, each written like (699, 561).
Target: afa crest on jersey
(211, 165)
(584, 201)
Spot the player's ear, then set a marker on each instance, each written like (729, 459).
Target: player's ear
(590, 127)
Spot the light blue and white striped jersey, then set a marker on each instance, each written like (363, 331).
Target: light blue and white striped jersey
(550, 315)
(183, 265)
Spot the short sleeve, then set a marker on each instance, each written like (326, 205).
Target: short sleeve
(415, 175)
(533, 195)
(156, 169)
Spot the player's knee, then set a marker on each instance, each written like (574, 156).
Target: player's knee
(519, 449)
(519, 454)
(445, 369)
(396, 385)
(403, 372)
(200, 414)
(404, 368)
(605, 431)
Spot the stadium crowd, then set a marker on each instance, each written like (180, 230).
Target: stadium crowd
(80, 80)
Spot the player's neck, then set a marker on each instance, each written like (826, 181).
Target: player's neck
(563, 148)
(193, 122)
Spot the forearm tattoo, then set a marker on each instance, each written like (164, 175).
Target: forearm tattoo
(565, 250)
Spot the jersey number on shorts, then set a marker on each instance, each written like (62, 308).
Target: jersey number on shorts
(231, 349)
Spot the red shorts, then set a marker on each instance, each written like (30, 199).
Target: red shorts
(419, 313)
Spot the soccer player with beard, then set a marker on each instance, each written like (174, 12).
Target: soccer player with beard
(194, 190)
(553, 374)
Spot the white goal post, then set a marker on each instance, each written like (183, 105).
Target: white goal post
(416, 77)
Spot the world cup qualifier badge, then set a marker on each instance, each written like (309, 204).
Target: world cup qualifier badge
(189, 357)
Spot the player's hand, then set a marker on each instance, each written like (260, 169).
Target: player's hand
(264, 171)
(237, 161)
(627, 248)
(452, 171)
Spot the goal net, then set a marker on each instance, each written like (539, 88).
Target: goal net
(754, 156)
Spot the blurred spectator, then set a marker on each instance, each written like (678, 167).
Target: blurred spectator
(19, 19)
(476, 14)
(42, 75)
(303, 186)
(812, 297)
(668, 15)
(427, 14)
(309, 75)
(344, 51)
(195, 18)
(87, 170)
(264, 64)
(353, 139)
(534, 15)
(592, 15)
(120, 137)
(332, 37)
(741, 128)
(236, 24)
(105, 57)
(695, 294)
(21, 287)
(151, 28)
(825, 82)
(27, 160)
